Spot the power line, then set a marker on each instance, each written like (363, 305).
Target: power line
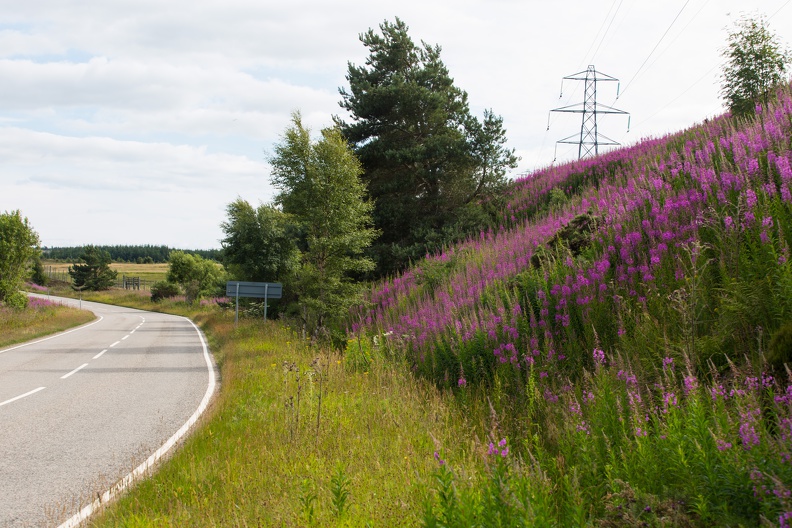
(606, 31)
(655, 47)
(779, 9)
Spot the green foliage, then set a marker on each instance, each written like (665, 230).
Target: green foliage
(39, 275)
(18, 244)
(196, 275)
(163, 290)
(94, 272)
(755, 63)
(339, 490)
(320, 189)
(424, 155)
(16, 300)
(780, 350)
(259, 244)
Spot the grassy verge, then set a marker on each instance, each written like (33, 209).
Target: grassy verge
(297, 437)
(39, 319)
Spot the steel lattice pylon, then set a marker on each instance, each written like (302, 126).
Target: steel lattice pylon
(589, 139)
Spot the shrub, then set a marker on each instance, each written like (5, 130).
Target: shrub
(163, 290)
(16, 300)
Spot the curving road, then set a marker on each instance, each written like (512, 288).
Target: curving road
(82, 409)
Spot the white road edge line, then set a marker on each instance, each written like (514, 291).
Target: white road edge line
(53, 336)
(141, 470)
(97, 356)
(34, 391)
(75, 371)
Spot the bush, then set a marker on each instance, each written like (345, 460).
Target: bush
(16, 300)
(163, 290)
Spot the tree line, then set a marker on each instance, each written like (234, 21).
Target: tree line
(141, 254)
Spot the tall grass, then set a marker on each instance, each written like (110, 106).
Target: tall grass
(299, 437)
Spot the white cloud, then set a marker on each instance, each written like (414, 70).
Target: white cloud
(157, 114)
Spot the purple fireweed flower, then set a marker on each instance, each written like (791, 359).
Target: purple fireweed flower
(462, 382)
(767, 221)
(723, 445)
(728, 222)
(669, 400)
(748, 433)
(750, 198)
(550, 397)
(691, 384)
(439, 460)
(717, 390)
(599, 356)
(668, 363)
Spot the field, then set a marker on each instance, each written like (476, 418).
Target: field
(149, 273)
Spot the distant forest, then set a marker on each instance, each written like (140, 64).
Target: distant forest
(138, 254)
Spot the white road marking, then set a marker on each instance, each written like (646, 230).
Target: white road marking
(34, 391)
(125, 337)
(97, 356)
(52, 337)
(114, 344)
(74, 371)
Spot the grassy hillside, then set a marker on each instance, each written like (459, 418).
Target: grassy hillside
(622, 337)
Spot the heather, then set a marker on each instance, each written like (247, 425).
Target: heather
(623, 332)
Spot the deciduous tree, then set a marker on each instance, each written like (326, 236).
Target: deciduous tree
(18, 244)
(196, 275)
(320, 188)
(259, 244)
(755, 63)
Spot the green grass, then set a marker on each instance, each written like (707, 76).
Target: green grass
(18, 326)
(272, 452)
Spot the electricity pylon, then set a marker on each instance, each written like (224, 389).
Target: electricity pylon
(589, 139)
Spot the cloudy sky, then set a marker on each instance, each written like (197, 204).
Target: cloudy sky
(138, 121)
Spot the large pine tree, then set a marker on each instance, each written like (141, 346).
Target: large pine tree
(427, 161)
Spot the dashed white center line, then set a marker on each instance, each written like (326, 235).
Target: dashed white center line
(74, 371)
(114, 344)
(124, 337)
(34, 391)
(97, 356)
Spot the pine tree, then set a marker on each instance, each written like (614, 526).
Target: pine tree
(426, 159)
(93, 273)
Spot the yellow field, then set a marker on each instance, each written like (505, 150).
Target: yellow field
(146, 272)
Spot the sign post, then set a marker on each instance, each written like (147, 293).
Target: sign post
(256, 290)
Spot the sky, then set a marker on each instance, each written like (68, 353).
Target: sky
(138, 121)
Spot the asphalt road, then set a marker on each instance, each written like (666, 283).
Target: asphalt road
(83, 409)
